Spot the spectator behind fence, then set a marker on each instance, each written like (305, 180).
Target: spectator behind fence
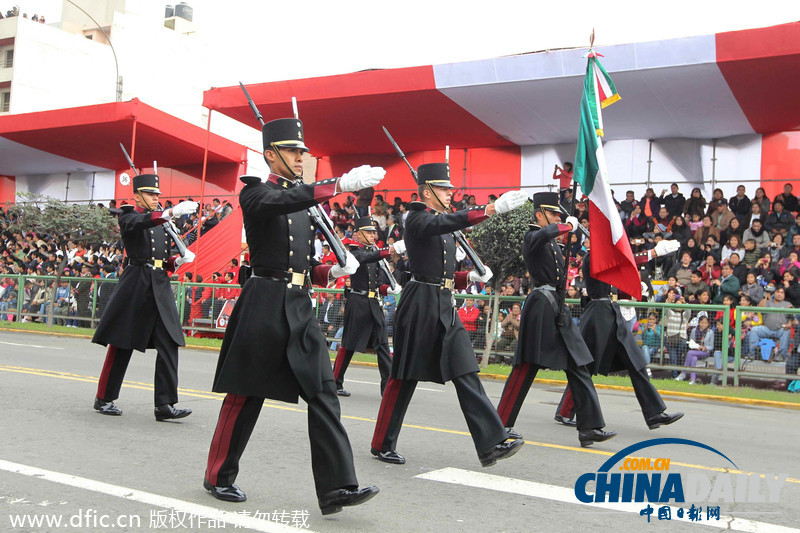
(727, 284)
(701, 345)
(510, 330)
(651, 339)
(776, 325)
(675, 323)
(468, 314)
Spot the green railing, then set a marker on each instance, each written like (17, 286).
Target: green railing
(204, 313)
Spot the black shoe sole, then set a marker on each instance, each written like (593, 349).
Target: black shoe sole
(161, 418)
(377, 455)
(337, 507)
(508, 453)
(659, 424)
(587, 443)
(210, 488)
(343, 393)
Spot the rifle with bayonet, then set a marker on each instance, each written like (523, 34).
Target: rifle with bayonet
(458, 235)
(169, 227)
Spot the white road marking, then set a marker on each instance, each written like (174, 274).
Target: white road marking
(376, 383)
(468, 478)
(32, 345)
(148, 498)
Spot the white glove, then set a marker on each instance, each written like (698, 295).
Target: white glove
(509, 201)
(361, 178)
(666, 247)
(352, 265)
(572, 221)
(395, 291)
(474, 276)
(189, 258)
(460, 254)
(399, 247)
(183, 208)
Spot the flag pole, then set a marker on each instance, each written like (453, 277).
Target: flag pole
(559, 319)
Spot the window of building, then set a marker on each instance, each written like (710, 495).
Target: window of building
(5, 101)
(9, 62)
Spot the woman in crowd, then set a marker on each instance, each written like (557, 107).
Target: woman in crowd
(762, 201)
(701, 345)
(716, 198)
(636, 224)
(701, 235)
(694, 250)
(734, 228)
(764, 271)
(753, 288)
(680, 230)
(775, 247)
(792, 288)
(733, 246)
(710, 269)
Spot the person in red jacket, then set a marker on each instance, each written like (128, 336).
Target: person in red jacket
(469, 317)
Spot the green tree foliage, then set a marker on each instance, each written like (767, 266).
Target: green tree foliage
(47, 216)
(498, 241)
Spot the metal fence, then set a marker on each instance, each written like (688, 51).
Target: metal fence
(736, 344)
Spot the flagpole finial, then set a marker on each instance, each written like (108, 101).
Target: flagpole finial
(591, 39)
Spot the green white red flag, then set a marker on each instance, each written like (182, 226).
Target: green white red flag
(612, 258)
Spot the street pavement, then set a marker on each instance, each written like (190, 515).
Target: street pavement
(59, 459)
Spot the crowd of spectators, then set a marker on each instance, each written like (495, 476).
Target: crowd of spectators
(31, 254)
(732, 250)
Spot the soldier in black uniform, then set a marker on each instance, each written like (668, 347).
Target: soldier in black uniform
(430, 342)
(618, 351)
(273, 346)
(548, 338)
(141, 312)
(364, 323)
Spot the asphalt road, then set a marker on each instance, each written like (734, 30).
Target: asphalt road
(59, 458)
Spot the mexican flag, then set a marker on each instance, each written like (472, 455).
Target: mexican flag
(612, 258)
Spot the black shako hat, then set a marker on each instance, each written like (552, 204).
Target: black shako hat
(283, 132)
(146, 183)
(437, 174)
(365, 224)
(546, 200)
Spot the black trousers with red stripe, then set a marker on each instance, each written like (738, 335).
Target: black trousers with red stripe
(484, 425)
(580, 381)
(343, 358)
(646, 394)
(331, 454)
(165, 381)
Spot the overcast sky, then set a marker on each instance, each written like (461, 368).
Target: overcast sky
(267, 40)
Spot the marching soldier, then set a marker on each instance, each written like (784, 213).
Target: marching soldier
(273, 347)
(430, 342)
(364, 323)
(607, 332)
(548, 338)
(141, 312)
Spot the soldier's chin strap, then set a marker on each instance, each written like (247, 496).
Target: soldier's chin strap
(144, 201)
(435, 195)
(280, 156)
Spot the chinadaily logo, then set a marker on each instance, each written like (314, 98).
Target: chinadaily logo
(626, 478)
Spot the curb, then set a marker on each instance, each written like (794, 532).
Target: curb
(499, 377)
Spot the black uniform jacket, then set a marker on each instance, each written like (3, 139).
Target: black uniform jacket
(540, 341)
(364, 324)
(273, 345)
(605, 331)
(430, 342)
(142, 292)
